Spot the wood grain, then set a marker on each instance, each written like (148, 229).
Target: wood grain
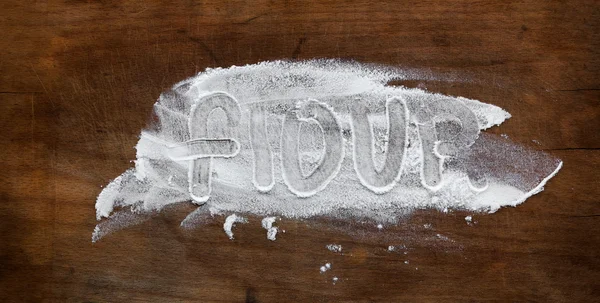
(78, 80)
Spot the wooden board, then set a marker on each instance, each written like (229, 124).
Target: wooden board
(66, 66)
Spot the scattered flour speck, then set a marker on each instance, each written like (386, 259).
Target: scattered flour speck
(325, 267)
(334, 248)
(267, 223)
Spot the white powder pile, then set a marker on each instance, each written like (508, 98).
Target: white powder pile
(322, 137)
(267, 223)
(230, 222)
(336, 248)
(325, 268)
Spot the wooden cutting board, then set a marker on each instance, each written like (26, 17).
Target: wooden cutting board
(77, 84)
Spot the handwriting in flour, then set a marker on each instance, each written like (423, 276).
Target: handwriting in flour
(444, 128)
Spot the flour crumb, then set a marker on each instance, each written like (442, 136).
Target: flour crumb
(335, 279)
(230, 223)
(267, 223)
(392, 248)
(379, 226)
(325, 267)
(336, 248)
(469, 220)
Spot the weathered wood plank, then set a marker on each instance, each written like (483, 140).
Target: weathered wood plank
(78, 79)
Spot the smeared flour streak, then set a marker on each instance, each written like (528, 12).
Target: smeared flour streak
(321, 138)
(230, 222)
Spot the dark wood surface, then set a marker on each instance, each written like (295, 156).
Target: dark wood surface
(77, 84)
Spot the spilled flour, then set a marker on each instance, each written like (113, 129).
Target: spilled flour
(320, 138)
(334, 248)
(267, 223)
(469, 220)
(325, 268)
(230, 223)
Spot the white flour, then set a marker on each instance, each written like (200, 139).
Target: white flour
(325, 267)
(336, 248)
(267, 223)
(230, 223)
(324, 137)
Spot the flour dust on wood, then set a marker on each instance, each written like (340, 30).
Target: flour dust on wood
(320, 138)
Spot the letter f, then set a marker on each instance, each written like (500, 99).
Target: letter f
(200, 149)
